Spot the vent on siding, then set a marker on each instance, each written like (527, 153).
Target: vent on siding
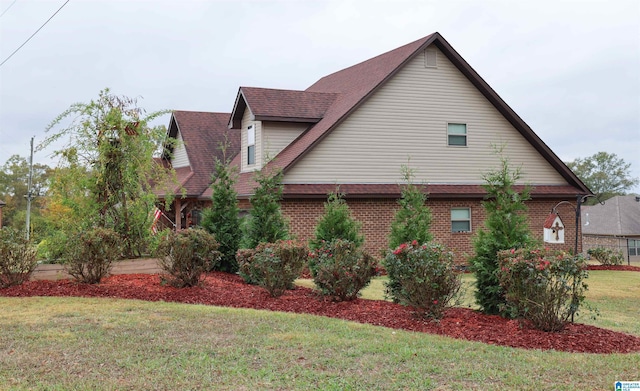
(430, 58)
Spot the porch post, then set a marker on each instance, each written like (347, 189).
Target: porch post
(178, 206)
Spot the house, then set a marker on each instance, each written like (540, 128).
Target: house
(614, 225)
(420, 104)
(200, 136)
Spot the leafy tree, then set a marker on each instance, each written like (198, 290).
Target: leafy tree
(14, 182)
(505, 228)
(336, 223)
(222, 219)
(107, 167)
(413, 220)
(605, 174)
(265, 223)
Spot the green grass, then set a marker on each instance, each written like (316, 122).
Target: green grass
(108, 344)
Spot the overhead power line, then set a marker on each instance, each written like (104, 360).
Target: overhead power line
(7, 9)
(32, 35)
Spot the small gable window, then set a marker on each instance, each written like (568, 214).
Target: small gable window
(460, 220)
(251, 145)
(430, 58)
(457, 135)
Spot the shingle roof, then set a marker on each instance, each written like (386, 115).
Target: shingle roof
(202, 133)
(355, 84)
(281, 105)
(618, 216)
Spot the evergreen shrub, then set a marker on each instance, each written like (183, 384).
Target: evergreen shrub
(90, 255)
(542, 286)
(186, 255)
(422, 276)
(17, 257)
(606, 256)
(336, 223)
(340, 270)
(273, 266)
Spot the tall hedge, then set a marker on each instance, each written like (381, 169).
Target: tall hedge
(504, 228)
(222, 218)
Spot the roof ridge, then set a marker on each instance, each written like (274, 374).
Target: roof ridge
(372, 59)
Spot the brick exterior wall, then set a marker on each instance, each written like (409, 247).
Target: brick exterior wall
(376, 216)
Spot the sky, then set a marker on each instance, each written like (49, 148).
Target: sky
(570, 69)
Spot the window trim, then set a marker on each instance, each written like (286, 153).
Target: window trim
(251, 148)
(468, 209)
(635, 247)
(466, 135)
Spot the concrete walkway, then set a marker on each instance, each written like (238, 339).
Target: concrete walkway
(131, 266)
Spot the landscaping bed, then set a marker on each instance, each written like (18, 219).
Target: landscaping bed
(229, 290)
(627, 268)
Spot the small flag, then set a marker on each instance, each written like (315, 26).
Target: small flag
(156, 216)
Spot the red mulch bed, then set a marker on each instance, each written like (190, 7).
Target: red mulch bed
(626, 268)
(228, 290)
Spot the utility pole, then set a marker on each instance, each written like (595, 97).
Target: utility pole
(29, 195)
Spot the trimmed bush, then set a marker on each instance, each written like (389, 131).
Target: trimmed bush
(90, 255)
(423, 277)
(17, 258)
(606, 256)
(340, 270)
(186, 255)
(244, 258)
(273, 266)
(336, 223)
(542, 286)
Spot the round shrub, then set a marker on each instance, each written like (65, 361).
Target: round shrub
(542, 286)
(17, 257)
(423, 277)
(90, 255)
(186, 255)
(273, 266)
(340, 270)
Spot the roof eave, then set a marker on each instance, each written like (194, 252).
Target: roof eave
(239, 106)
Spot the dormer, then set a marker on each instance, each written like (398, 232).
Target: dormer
(270, 119)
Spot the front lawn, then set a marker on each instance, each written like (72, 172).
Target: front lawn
(114, 344)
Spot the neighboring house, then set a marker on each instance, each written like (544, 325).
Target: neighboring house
(421, 105)
(2, 205)
(614, 225)
(200, 136)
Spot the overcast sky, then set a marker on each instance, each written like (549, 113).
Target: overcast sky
(570, 69)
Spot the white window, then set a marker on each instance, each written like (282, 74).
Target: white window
(634, 247)
(457, 135)
(251, 145)
(460, 220)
